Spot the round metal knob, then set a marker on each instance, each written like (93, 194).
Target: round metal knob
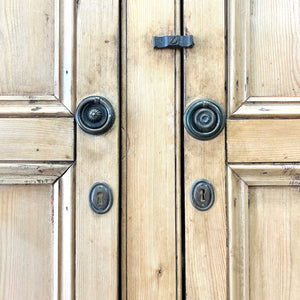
(95, 115)
(204, 119)
(100, 197)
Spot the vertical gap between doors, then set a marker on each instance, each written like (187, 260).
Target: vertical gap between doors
(121, 239)
(182, 180)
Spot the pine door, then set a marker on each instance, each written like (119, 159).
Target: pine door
(152, 243)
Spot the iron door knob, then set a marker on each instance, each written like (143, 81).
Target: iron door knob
(204, 119)
(95, 115)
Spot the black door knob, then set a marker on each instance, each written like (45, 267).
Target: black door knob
(95, 115)
(204, 119)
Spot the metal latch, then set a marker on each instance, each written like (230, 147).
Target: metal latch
(173, 41)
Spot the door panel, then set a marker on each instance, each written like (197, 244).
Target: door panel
(264, 58)
(274, 252)
(263, 224)
(53, 246)
(274, 48)
(263, 150)
(31, 32)
(27, 239)
(43, 71)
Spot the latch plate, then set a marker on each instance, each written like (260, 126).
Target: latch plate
(173, 41)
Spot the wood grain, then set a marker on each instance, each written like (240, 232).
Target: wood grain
(238, 238)
(263, 53)
(268, 110)
(31, 173)
(16, 108)
(29, 46)
(275, 59)
(97, 236)
(274, 228)
(238, 53)
(49, 139)
(66, 235)
(151, 143)
(268, 174)
(263, 140)
(205, 232)
(260, 217)
(26, 251)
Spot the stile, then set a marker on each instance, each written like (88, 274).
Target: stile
(205, 232)
(150, 141)
(97, 237)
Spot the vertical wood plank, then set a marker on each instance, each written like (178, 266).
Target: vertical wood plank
(238, 237)
(205, 232)
(66, 241)
(238, 53)
(150, 149)
(97, 156)
(66, 88)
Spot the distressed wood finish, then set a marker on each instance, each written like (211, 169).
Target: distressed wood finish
(152, 83)
(268, 174)
(26, 243)
(274, 56)
(238, 53)
(97, 236)
(262, 215)
(263, 140)
(29, 47)
(238, 237)
(205, 232)
(263, 52)
(263, 149)
(274, 252)
(65, 189)
(45, 139)
(37, 149)
(265, 109)
(16, 108)
(31, 173)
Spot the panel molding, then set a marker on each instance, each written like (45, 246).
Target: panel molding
(16, 107)
(268, 107)
(62, 66)
(240, 55)
(240, 178)
(32, 173)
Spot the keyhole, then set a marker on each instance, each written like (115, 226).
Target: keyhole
(100, 198)
(202, 192)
